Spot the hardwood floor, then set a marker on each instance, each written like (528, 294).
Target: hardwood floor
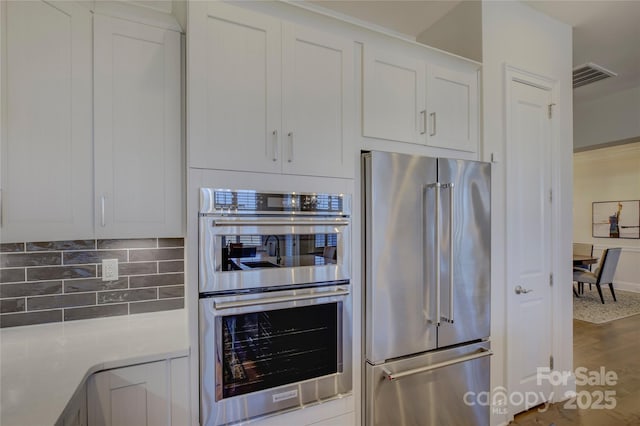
(614, 346)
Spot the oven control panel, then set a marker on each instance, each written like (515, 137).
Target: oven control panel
(223, 201)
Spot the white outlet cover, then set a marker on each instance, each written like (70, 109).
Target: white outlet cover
(109, 269)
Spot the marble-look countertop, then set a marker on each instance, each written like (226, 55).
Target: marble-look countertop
(41, 366)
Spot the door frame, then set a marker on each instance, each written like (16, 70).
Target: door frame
(561, 302)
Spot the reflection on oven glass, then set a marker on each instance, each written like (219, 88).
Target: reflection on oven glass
(265, 349)
(244, 252)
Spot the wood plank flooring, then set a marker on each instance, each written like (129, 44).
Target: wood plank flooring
(616, 346)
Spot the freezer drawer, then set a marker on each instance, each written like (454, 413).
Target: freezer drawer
(429, 389)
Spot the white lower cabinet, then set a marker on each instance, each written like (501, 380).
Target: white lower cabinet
(75, 414)
(155, 393)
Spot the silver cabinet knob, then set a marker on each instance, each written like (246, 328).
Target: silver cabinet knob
(522, 290)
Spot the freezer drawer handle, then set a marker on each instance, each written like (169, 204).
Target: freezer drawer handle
(267, 300)
(272, 222)
(395, 376)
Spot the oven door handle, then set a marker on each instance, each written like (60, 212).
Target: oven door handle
(271, 222)
(269, 300)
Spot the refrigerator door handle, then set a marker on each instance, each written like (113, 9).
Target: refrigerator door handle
(436, 186)
(388, 375)
(450, 186)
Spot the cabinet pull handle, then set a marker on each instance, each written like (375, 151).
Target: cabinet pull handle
(274, 145)
(102, 220)
(433, 124)
(1, 207)
(423, 115)
(290, 147)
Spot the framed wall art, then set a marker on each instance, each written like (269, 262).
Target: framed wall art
(616, 219)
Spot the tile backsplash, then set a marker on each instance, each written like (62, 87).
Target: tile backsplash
(55, 281)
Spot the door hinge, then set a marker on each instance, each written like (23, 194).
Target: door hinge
(550, 110)
(551, 279)
(551, 362)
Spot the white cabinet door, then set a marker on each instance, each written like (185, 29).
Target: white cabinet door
(47, 181)
(130, 396)
(452, 107)
(138, 156)
(237, 95)
(393, 97)
(318, 102)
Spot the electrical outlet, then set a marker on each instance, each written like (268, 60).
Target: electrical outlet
(109, 269)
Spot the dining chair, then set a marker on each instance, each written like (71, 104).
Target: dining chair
(603, 274)
(582, 249)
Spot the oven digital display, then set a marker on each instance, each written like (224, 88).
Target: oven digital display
(262, 350)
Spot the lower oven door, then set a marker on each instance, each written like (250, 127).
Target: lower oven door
(273, 351)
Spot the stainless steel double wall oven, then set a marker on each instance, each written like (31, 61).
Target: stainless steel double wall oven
(275, 302)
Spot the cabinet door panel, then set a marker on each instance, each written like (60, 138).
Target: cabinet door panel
(318, 102)
(452, 98)
(46, 121)
(130, 396)
(394, 97)
(137, 129)
(242, 87)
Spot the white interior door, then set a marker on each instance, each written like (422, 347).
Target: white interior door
(528, 243)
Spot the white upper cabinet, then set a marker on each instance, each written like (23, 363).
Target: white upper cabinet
(47, 185)
(393, 96)
(267, 96)
(405, 99)
(452, 105)
(138, 156)
(239, 53)
(318, 102)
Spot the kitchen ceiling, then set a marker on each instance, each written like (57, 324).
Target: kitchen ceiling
(605, 32)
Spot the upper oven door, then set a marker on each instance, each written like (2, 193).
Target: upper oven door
(256, 252)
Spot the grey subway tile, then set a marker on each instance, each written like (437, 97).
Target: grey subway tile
(170, 292)
(126, 244)
(30, 289)
(94, 284)
(170, 242)
(12, 305)
(13, 260)
(156, 305)
(12, 275)
(60, 301)
(155, 280)
(101, 311)
(28, 318)
(127, 295)
(138, 268)
(84, 257)
(62, 245)
(60, 272)
(156, 254)
(11, 247)
(171, 266)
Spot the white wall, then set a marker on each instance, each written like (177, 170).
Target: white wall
(517, 35)
(608, 174)
(608, 119)
(458, 32)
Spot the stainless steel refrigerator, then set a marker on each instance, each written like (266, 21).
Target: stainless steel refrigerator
(427, 290)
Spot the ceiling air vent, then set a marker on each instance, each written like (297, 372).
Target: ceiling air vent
(590, 73)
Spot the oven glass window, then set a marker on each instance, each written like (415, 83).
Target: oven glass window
(246, 252)
(265, 349)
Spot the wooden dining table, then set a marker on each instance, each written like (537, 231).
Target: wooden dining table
(580, 260)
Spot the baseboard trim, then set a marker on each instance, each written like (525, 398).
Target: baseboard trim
(627, 286)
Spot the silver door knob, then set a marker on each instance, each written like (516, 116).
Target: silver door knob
(522, 290)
